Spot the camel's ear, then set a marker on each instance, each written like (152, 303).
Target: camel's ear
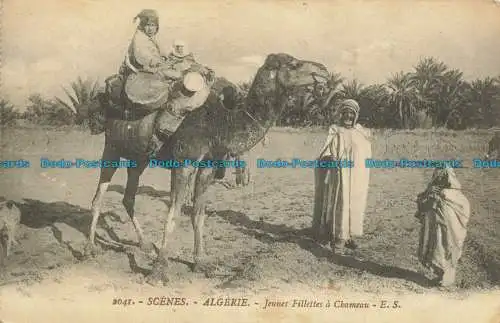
(272, 61)
(275, 61)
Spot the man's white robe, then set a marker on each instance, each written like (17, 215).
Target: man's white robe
(341, 193)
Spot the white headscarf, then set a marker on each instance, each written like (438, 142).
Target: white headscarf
(180, 43)
(351, 105)
(445, 174)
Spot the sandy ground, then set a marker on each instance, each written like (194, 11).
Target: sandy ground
(256, 235)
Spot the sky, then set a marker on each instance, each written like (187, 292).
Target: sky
(49, 43)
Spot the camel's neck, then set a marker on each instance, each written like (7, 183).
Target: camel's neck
(265, 102)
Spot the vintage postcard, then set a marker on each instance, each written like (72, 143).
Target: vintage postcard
(249, 161)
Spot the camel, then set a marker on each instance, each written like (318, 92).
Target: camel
(210, 133)
(127, 135)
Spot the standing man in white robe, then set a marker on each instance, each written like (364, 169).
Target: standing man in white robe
(341, 193)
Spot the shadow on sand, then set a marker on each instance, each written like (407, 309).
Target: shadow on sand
(150, 191)
(271, 233)
(142, 190)
(36, 214)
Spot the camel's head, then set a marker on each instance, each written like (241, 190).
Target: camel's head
(294, 73)
(292, 76)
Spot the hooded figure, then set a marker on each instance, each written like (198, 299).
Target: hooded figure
(180, 58)
(180, 49)
(144, 53)
(443, 212)
(341, 181)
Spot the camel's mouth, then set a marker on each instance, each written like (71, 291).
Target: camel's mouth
(322, 76)
(312, 75)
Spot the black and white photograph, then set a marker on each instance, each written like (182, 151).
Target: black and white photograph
(249, 161)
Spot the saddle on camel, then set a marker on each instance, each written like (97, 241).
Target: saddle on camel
(152, 85)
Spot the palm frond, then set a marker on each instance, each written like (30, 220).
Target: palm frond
(66, 105)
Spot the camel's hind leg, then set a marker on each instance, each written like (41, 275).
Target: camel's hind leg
(204, 178)
(105, 177)
(133, 176)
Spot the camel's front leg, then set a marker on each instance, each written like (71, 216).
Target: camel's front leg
(204, 178)
(133, 176)
(180, 178)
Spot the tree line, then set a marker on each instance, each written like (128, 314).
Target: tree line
(430, 95)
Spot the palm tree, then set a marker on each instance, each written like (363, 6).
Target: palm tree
(374, 101)
(322, 113)
(84, 92)
(8, 114)
(44, 111)
(483, 102)
(428, 77)
(245, 86)
(427, 74)
(333, 84)
(452, 97)
(36, 107)
(352, 90)
(403, 95)
(305, 109)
